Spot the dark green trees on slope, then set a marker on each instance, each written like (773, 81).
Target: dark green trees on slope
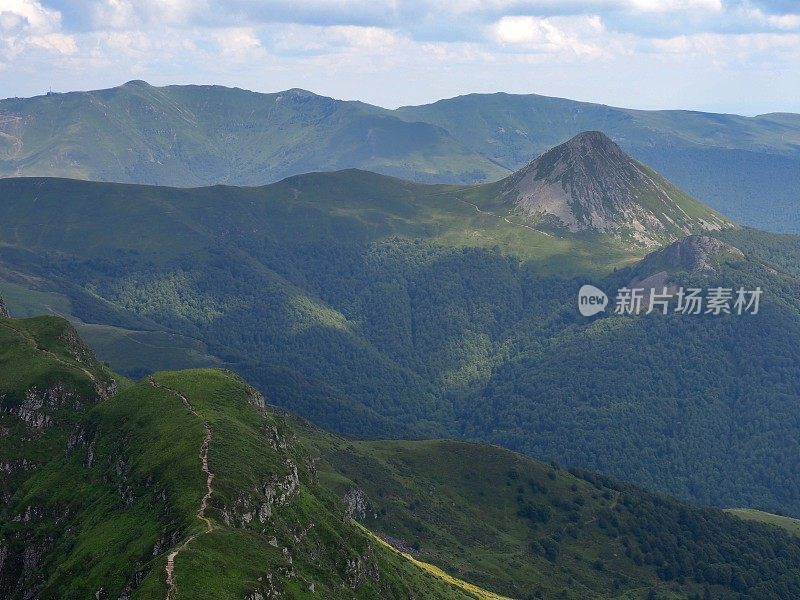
(185, 485)
(380, 307)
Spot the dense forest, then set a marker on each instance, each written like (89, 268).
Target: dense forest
(367, 319)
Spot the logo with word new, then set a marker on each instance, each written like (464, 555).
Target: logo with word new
(714, 301)
(591, 300)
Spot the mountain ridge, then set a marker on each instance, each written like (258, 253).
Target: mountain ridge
(199, 135)
(100, 496)
(107, 504)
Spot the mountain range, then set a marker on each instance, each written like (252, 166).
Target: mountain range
(291, 373)
(747, 168)
(380, 307)
(187, 485)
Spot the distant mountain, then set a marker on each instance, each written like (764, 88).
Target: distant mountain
(746, 168)
(185, 485)
(376, 306)
(589, 184)
(205, 135)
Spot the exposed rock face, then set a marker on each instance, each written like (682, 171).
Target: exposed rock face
(77, 347)
(280, 490)
(698, 254)
(355, 501)
(11, 467)
(105, 388)
(132, 585)
(3, 309)
(38, 405)
(259, 504)
(589, 183)
(362, 568)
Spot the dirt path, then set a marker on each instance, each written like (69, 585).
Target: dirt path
(506, 219)
(172, 585)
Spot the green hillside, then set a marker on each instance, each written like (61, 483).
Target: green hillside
(588, 184)
(380, 307)
(205, 135)
(108, 498)
(745, 167)
(186, 485)
(752, 514)
(536, 531)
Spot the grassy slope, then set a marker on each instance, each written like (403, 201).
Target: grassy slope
(455, 505)
(489, 516)
(512, 128)
(751, 514)
(104, 515)
(234, 134)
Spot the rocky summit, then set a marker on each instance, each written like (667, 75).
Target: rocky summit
(590, 184)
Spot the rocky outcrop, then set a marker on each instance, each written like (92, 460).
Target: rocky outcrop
(362, 568)
(269, 588)
(355, 502)
(279, 490)
(19, 564)
(255, 397)
(276, 440)
(12, 467)
(132, 585)
(696, 254)
(3, 309)
(259, 504)
(37, 407)
(105, 388)
(77, 347)
(166, 542)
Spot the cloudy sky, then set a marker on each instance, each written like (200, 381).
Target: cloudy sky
(738, 56)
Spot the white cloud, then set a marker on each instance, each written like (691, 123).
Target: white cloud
(29, 16)
(337, 39)
(782, 22)
(776, 48)
(239, 42)
(364, 37)
(54, 42)
(668, 6)
(579, 36)
(133, 14)
(27, 25)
